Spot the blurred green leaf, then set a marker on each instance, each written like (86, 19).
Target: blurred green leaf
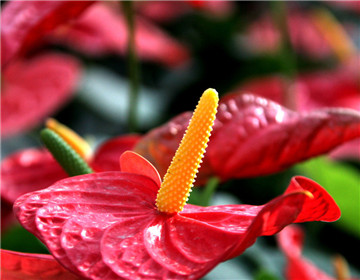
(20, 240)
(342, 181)
(265, 275)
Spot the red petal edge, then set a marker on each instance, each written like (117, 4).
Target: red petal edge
(16, 266)
(105, 225)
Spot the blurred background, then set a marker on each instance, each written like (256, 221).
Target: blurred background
(303, 55)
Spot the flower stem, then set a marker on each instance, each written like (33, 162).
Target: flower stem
(208, 191)
(132, 66)
(286, 53)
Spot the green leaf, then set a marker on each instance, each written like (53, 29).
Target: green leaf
(264, 275)
(342, 181)
(20, 240)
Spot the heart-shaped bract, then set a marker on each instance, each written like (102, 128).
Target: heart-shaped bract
(106, 226)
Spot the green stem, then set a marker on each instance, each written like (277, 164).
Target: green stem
(133, 66)
(70, 161)
(286, 55)
(208, 191)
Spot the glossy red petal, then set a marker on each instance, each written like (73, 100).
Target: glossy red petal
(290, 240)
(34, 89)
(27, 171)
(321, 207)
(102, 30)
(19, 266)
(253, 136)
(105, 225)
(70, 217)
(134, 163)
(106, 157)
(24, 24)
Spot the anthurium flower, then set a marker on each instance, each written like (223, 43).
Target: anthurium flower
(314, 90)
(103, 30)
(24, 88)
(308, 31)
(164, 11)
(35, 168)
(291, 241)
(15, 265)
(25, 23)
(254, 136)
(130, 225)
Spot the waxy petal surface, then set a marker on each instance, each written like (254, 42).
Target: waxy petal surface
(25, 23)
(253, 136)
(34, 89)
(105, 226)
(102, 30)
(18, 266)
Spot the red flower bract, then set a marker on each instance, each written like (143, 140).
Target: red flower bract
(106, 225)
(291, 241)
(253, 136)
(103, 30)
(33, 89)
(25, 23)
(16, 266)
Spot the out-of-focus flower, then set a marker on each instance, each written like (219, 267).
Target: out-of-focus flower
(309, 34)
(165, 11)
(103, 30)
(310, 91)
(32, 89)
(130, 225)
(25, 24)
(15, 265)
(349, 5)
(290, 240)
(253, 136)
